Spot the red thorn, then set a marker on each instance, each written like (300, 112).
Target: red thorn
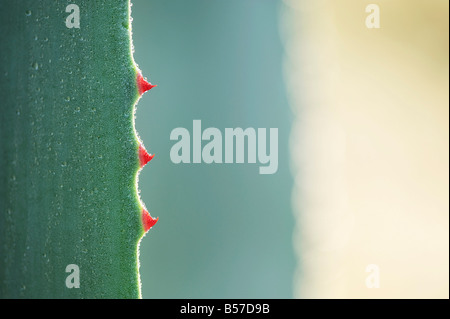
(147, 220)
(144, 157)
(143, 85)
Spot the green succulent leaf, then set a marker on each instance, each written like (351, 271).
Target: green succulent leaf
(69, 154)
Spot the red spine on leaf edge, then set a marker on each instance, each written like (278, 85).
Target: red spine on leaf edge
(143, 85)
(144, 157)
(147, 220)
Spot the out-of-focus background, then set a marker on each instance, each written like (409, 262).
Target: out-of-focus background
(224, 231)
(369, 147)
(359, 207)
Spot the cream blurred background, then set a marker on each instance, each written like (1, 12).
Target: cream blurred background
(369, 147)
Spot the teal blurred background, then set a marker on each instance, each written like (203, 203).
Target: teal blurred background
(224, 231)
